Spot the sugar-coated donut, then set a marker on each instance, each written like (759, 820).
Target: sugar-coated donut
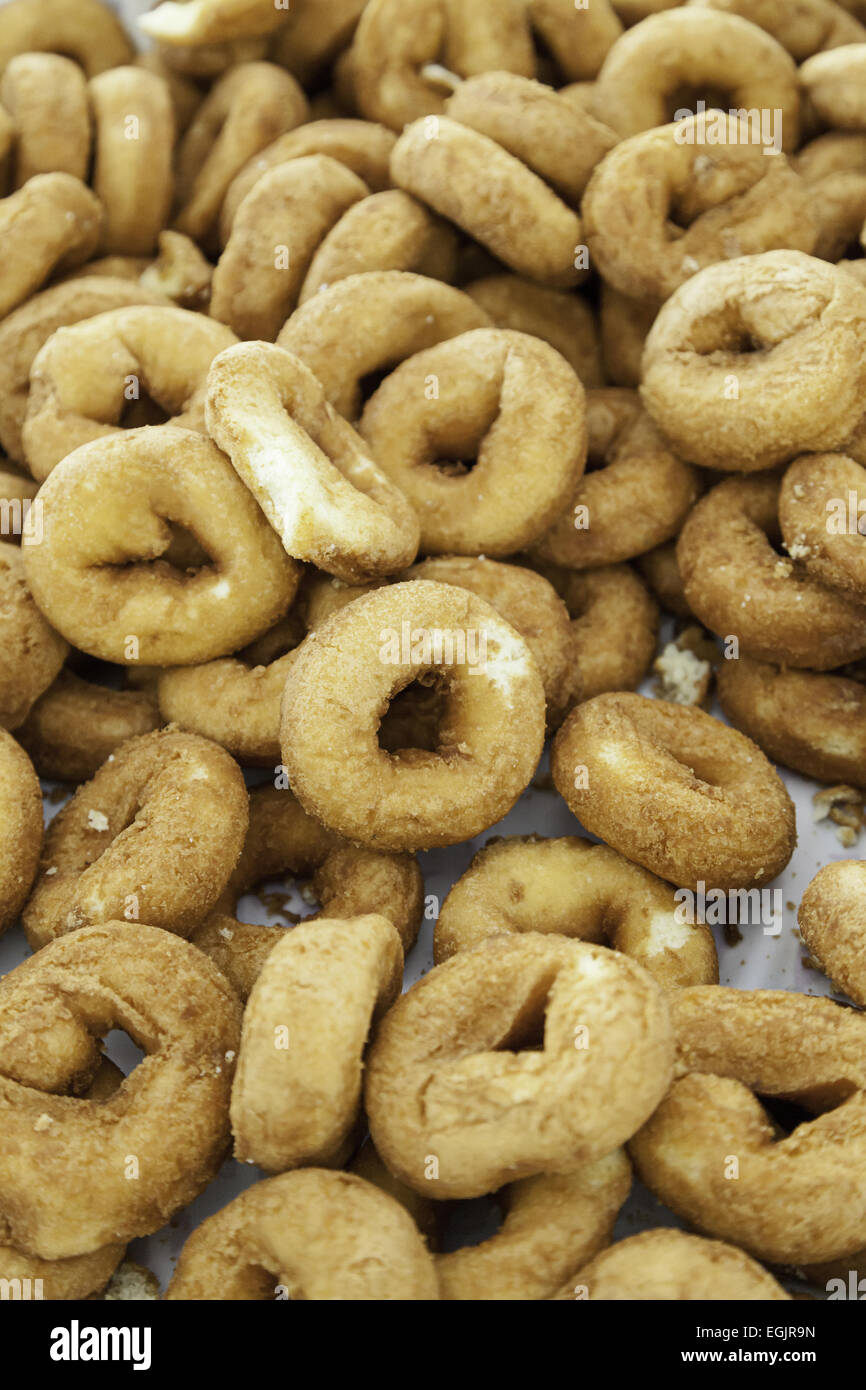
(75, 726)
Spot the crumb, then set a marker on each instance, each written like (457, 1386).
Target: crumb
(44, 1122)
(732, 933)
(845, 807)
(226, 933)
(97, 820)
(131, 1282)
(49, 873)
(683, 679)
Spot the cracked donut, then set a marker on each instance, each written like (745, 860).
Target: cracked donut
(815, 506)
(491, 729)
(33, 652)
(151, 838)
(367, 323)
(741, 588)
(65, 1184)
(20, 828)
(505, 400)
(87, 31)
(675, 790)
(667, 1265)
(112, 596)
(833, 925)
(133, 136)
(754, 361)
(316, 1235)
(87, 375)
(807, 27)
(461, 1102)
(51, 224)
(574, 888)
(308, 469)
(74, 726)
(833, 84)
(297, 1091)
(711, 1151)
(614, 628)
(46, 97)
(563, 320)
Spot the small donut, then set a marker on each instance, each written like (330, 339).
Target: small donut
(20, 828)
(731, 200)
(297, 1090)
(180, 272)
(33, 652)
(152, 837)
(614, 628)
(275, 234)
(660, 571)
(368, 323)
(74, 727)
(503, 399)
(54, 222)
(575, 888)
(645, 73)
(740, 587)
(112, 596)
(757, 360)
(807, 27)
(244, 111)
(314, 1235)
(624, 324)
(495, 198)
(313, 35)
(675, 790)
(85, 377)
(818, 494)
(46, 96)
(635, 495)
(671, 1266)
(310, 472)
(491, 731)
(87, 31)
(133, 121)
(791, 1200)
(459, 1100)
(834, 167)
(211, 21)
(833, 84)
(65, 1184)
(562, 320)
(833, 925)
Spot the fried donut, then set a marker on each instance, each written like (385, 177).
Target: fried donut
(660, 571)
(614, 628)
(46, 96)
(460, 1102)
(20, 828)
(739, 586)
(64, 1170)
(792, 1200)
(491, 731)
(644, 75)
(813, 486)
(368, 323)
(75, 725)
(495, 198)
(134, 142)
(671, 1266)
(732, 200)
(508, 401)
(53, 222)
(317, 1235)
(562, 320)
(87, 31)
(211, 21)
(833, 925)
(153, 837)
(675, 790)
(635, 497)
(111, 596)
(754, 361)
(33, 652)
(83, 380)
(275, 234)
(833, 84)
(624, 325)
(574, 888)
(808, 27)
(324, 986)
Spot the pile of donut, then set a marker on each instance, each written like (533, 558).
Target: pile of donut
(373, 378)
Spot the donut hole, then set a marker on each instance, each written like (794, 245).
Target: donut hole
(787, 1113)
(288, 898)
(122, 1050)
(471, 1222)
(184, 551)
(686, 98)
(414, 717)
(144, 409)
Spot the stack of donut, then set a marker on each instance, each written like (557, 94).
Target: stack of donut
(375, 380)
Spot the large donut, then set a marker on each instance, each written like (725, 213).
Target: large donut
(175, 619)
(46, 96)
(52, 223)
(829, 547)
(491, 732)
(133, 147)
(449, 1077)
(87, 31)
(561, 319)
(74, 727)
(833, 925)
(33, 652)
(65, 1187)
(670, 1266)
(20, 828)
(614, 628)
(675, 790)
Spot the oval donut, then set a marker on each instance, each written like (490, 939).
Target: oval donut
(84, 378)
(614, 628)
(46, 96)
(53, 223)
(75, 726)
(491, 732)
(503, 399)
(671, 1266)
(20, 828)
(33, 652)
(314, 1235)
(134, 132)
(88, 31)
(64, 1171)
(833, 84)
(797, 1199)
(833, 925)
(449, 1076)
(116, 850)
(808, 27)
(174, 619)
(815, 506)
(675, 790)
(575, 888)
(563, 320)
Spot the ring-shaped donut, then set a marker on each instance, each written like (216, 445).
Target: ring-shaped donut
(33, 652)
(20, 828)
(833, 925)
(563, 320)
(671, 1266)
(46, 96)
(133, 134)
(74, 727)
(53, 223)
(819, 495)
(88, 31)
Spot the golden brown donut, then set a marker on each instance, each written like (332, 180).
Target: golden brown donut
(33, 652)
(20, 828)
(368, 323)
(491, 731)
(75, 725)
(671, 1266)
(614, 628)
(833, 84)
(660, 571)
(46, 96)
(675, 790)
(624, 324)
(503, 399)
(211, 21)
(151, 838)
(65, 1186)
(134, 131)
(297, 1090)
(563, 320)
(459, 1100)
(85, 377)
(313, 1235)
(740, 587)
(711, 1151)
(86, 30)
(807, 27)
(822, 504)
(577, 889)
(53, 223)
(833, 925)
